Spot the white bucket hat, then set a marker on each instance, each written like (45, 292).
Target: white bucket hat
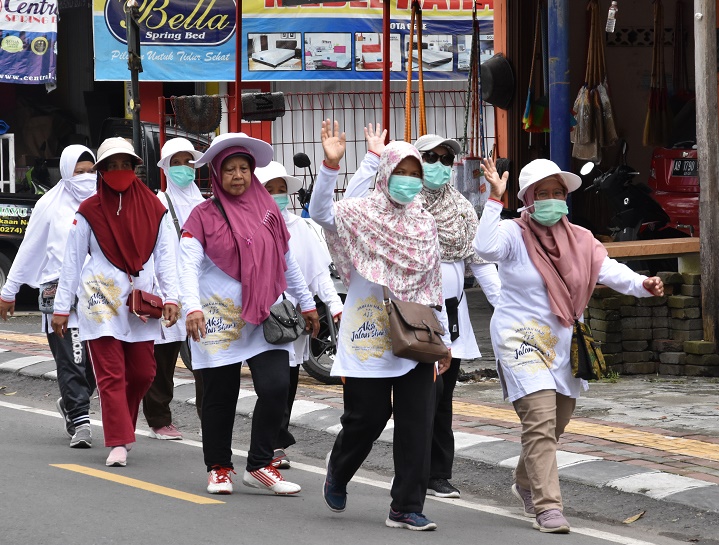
(260, 150)
(114, 146)
(539, 169)
(278, 170)
(430, 141)
(176, 145)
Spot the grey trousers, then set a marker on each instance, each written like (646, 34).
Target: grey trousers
(74, 373)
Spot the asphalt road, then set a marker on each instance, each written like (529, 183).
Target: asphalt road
(54, 494)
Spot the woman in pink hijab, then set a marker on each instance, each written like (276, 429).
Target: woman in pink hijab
(235, 263)
(548, 268)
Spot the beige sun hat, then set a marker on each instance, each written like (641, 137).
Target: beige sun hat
(114, 146)
(278, 170)
(539, 169)
(176, 145)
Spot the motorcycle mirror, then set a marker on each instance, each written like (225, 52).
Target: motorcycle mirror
(587, 168)
(301, 160)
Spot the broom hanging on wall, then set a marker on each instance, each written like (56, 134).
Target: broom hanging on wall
(658, 120)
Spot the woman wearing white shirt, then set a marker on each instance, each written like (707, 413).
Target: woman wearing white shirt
(37, 264)
(548, 268)
(180, 196)
(314, 262)
(119, 242)
(385, 239)
(236, 263)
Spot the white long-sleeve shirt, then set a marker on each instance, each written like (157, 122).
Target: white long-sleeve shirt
(530, 344)
(364, 348)
(205, 287)
(103, 289)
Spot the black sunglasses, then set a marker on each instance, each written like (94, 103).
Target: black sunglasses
(431, 157)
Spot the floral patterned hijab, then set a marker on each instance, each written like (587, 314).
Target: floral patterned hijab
(389, 244)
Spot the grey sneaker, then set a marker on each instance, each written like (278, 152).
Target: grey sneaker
(82, 437)
(442, 489)
(551, 521)
(69, 426)
(525, 496)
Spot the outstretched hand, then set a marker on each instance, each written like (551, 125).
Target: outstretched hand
(333, 143)
(654, 285)
(375, 138)
(497, 183)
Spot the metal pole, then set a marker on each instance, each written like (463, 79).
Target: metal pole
(559, 106)
(385, 66)
(134, 64)
(705, 59)
(238, 65)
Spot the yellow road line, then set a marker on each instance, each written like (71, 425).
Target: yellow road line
(19, 337)
(676, 445)
(135, 483)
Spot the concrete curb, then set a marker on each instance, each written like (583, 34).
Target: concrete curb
(578, 468)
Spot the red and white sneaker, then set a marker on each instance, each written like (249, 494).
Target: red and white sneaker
(270, 479)
(219, 480)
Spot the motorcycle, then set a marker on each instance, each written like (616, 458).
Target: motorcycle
(636, 215)
(323, 348)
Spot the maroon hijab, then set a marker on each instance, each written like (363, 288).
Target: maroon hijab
(252, 248)
(126, 225)
(568, 258)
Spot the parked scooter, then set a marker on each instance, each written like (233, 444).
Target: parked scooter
(323, 348)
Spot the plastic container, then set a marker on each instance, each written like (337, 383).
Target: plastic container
(612, 17)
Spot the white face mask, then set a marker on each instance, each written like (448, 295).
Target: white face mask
(82, 186)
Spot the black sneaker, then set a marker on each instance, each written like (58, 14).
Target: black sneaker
(334, 493)
(442, 489)
(69, 426)
(411, 521)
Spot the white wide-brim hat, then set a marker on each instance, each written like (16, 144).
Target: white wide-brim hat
(115, 146)
(430, 141)
(176, 145)
(261, 151)
(278, 170)
(539, 169)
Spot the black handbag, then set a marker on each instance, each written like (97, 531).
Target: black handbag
(452, 306)
(284, 324)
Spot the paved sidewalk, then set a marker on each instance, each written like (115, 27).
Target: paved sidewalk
(675, 465)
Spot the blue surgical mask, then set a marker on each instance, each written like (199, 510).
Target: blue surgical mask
(436, 175)
(549, 211)
(182, 176)
(403, 189)
(282, 200)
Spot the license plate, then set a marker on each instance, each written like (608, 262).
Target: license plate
(684, 167)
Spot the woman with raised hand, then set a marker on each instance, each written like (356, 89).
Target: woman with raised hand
(235, 264)
(384, 239)
(548, 268)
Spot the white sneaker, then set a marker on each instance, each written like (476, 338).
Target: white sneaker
(219, 480)
(270, 479)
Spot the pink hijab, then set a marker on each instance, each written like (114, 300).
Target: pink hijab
(389, 244)
(567, 250)
(252, 248)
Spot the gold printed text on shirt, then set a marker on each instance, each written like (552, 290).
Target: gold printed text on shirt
(366, 329)
(100, 299)
(529, 347)
(223, 323)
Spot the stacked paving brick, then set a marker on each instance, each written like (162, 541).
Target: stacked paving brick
(654, 335)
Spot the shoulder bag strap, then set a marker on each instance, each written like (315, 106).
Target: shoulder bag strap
(172, 213)
(221, 208)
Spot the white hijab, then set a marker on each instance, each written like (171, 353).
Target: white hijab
(184, 199)
(309, 250)
(40, 256)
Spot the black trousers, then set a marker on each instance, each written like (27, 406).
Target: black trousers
(368, 405)
(75, 377)
(221, 389)
(156, 403)
(285, 438)
(443, 437)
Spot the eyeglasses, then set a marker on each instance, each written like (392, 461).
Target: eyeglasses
(431, 157)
